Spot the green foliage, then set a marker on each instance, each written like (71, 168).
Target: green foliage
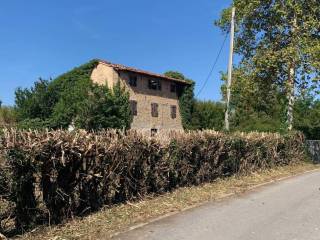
(208, 115)
(255, 105)
(34, 123)
(105, 108)
(186, 99)
(175, 74)
(36, 102)
(72, 98)
(273, 38)
(258, 106)
(7, 117)
(307, 120)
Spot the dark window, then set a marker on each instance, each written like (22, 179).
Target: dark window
(153, 132)
(133, 107)
(133, 81)
(155, 84)
(154, 110)
(173, 111)
(173, 87)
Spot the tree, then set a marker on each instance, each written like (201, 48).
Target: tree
(7, 117)
(208, 115)
(72, 98)
(256, 105)
(105, 108)
(36, 102)
(281, 40)
(307, 120)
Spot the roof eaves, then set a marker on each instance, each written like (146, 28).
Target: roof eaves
(120, 67)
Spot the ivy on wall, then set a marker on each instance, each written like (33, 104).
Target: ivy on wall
(66, 100)
(186, 98)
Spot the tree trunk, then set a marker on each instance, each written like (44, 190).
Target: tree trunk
(291, 96)
(292, 76)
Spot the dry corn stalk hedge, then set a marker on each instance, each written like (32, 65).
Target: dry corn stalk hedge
(57, 175)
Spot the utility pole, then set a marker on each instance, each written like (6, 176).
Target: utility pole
(226, 118)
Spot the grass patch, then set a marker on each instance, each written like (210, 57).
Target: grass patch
(105, 223)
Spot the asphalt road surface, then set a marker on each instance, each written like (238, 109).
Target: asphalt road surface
(286, 210)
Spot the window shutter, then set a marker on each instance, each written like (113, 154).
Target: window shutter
(133, 81)
(154, 110)
(133, 107)
(173, 111)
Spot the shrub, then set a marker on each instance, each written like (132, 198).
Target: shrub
(79, 172)
(7, 117)
(72, 98)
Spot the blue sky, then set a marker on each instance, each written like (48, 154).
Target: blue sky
(47, 38)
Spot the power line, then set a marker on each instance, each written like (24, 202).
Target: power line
(213, 66)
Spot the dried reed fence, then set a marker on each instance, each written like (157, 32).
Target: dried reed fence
(57, 175)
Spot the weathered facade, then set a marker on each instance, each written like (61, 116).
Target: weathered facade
(154, 98)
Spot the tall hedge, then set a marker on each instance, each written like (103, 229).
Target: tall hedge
(75, 173)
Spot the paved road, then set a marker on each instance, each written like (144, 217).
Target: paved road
(287, 210)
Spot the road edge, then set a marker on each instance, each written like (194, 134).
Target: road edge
(224, 197)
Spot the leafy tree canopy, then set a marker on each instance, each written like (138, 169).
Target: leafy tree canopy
(208, 115)
(71, 98)
(279, 42)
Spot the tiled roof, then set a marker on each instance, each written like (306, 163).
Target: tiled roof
(121, 67)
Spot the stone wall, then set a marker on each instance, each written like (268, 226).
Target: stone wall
(104, 74)
(145, 96)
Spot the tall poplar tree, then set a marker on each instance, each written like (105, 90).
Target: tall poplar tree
(280, 39)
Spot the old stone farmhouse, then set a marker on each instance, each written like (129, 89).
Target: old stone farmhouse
(153, 97)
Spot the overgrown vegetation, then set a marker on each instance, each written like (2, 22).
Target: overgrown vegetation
(109, 221)
(258, 106)
(60, 174)
(208, 115)
(197, 114)
(7, 117)
(72, 98)
(278, 71)
(186, 99)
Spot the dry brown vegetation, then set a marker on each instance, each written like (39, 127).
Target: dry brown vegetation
(108, 221)
(57, 175)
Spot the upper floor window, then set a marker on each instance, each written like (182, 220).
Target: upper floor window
(155, 84)
(133, 107)
(173, 111)
(173, 87)
(133, 80)
(154, 110)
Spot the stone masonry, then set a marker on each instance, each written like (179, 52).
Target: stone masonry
(164, 114)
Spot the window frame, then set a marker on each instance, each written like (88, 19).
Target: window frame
(133, 80)
(154, 110)
(134, 107)
(173, 111)
(173, 87)
(154, 84)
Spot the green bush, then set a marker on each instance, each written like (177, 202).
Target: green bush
(7, 117)
(72, 98)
